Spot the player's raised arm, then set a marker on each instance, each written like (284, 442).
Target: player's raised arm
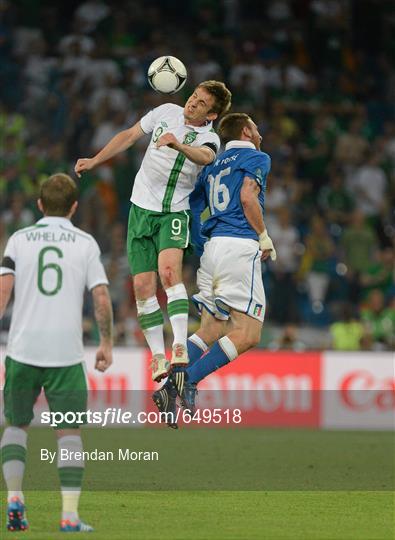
(120, 142)
(104, 318)
(200, 155)
(253, 213)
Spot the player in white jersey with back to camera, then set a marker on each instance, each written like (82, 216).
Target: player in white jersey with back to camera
(182, 141)
(49, 265)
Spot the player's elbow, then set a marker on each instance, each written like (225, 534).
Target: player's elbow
(202, 160)
(207, 157)
(246, 200)
(131, 135)
(101, 297)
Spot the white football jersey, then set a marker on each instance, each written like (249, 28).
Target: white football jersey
(52, 262)
(166, 177)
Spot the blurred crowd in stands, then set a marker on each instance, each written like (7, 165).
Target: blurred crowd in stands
(317, 76)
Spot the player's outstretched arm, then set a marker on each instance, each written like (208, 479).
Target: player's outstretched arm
(253, 213)
(104, 318)
(200, 155)
(120, 142)
(6, 286)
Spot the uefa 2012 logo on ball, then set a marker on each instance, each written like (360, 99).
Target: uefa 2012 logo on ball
(167, 74)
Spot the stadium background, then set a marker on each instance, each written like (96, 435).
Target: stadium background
(318, 78)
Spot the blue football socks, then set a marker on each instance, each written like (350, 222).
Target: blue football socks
(194, 352)
(213, 360)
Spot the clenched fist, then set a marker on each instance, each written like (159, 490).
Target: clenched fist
(168, 139)
(83, 164)
(266, 246)
(103, 358)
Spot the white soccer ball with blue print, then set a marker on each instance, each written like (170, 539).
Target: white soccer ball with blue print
(167, 74)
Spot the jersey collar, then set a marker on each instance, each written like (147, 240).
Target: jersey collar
(53, 220)
(239, 144)
(199, 129)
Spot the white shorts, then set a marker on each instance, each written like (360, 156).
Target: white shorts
(230, 276)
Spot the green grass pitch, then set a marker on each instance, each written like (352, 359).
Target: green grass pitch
(287, 484)
(218, 515)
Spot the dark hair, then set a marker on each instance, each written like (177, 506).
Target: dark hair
(231, 126)
(57, 194)
(222, 95)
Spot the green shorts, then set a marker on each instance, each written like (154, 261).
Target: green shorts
(150, 232)
(65, 389)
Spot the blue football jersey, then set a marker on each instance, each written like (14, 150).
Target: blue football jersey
(219, 186)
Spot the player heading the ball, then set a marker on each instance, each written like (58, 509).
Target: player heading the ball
(182, 142)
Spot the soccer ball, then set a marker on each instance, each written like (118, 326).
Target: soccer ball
(167, 74)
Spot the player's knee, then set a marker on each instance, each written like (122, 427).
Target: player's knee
(143, 287)
(209, 335)
(252, 337)
(168, 276)
(218, 333)
(254, 341)
(256, 338)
